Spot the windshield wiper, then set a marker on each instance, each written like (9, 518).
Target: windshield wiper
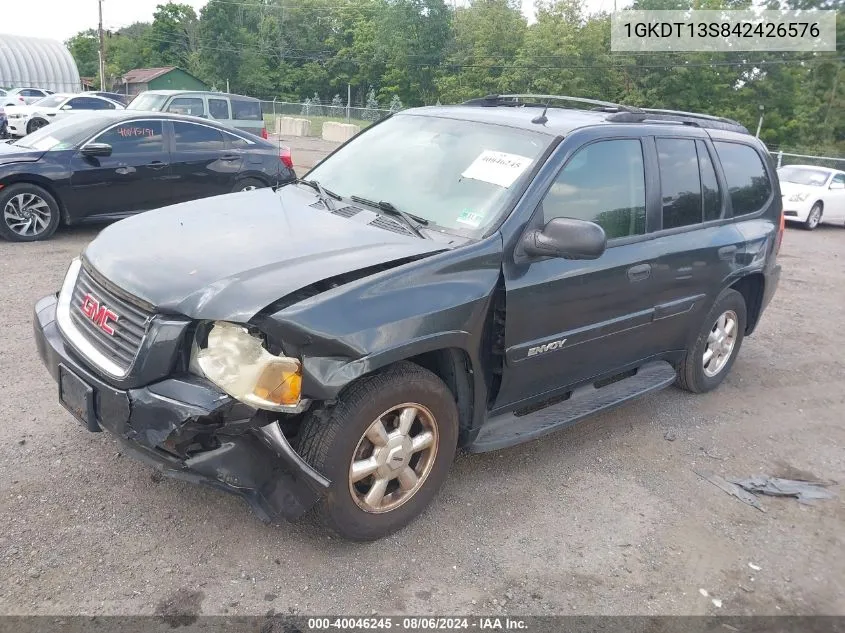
(414, 222)
(323, 194)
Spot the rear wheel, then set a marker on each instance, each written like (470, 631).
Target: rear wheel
(386, 446)
(712, 354)
(814, 218)
(248, 184)
(29, 213)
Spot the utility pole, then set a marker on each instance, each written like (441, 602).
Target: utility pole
(102, 49)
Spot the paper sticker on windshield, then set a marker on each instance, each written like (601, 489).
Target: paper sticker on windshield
(497, 168)
(470, 218)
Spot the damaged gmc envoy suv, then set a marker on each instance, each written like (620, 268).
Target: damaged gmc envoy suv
(470, 276)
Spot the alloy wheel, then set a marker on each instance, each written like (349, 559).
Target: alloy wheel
(27, 214)
(720, 343)
(393, 458)
(815, 217)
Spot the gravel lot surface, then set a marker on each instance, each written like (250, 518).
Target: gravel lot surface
(607, 517)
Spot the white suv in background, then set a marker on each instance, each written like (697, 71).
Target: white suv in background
(812, 195)
(24, 120)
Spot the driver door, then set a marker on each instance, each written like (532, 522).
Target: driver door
(136, 177)
(568, 321)
(835, 209)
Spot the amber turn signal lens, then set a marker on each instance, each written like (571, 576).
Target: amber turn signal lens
(279, 385)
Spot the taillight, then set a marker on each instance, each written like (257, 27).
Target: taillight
(781, 229)
(264, 132)
(285, 157)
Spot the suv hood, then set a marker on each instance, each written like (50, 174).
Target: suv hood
(227, 257)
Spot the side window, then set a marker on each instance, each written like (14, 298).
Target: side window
(31, 93)
(187, 105)
(709, 185)
(748, 182)
(680, 184)
(246, 110)
(218, 108)
(89, 103)
(190, 137)
(602, 183)
(838, 180)
(136, 137)
(236, 141)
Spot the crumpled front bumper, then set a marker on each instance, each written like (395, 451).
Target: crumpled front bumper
(257, 465)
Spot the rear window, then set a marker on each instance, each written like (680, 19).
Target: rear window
(748, 182)
(246, 110)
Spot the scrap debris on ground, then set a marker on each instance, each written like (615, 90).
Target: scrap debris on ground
(742, 489)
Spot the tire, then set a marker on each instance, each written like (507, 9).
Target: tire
(36, 124)
(248, 184)
(692, 374)
(331, 437)
(25, 201)
(814, 218)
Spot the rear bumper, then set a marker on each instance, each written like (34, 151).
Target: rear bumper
(269, 475)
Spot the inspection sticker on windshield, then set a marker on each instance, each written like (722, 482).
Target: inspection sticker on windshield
(497, 168)
(470, 219)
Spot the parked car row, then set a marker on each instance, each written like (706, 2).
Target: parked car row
(109, 164)
(26, 119)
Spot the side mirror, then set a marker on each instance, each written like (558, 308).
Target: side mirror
(567, 238)
(837, 185)
(96, 149)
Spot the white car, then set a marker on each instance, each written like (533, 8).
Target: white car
(812, 195)
(24, 120)
(23, 96)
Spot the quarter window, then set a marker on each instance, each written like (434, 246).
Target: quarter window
(194, 138)
(602, 183)
(246, 110)
(838, 179)
(748, 182)
(187, 105)
(136, 137)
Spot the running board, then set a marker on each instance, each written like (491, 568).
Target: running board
(509, 429)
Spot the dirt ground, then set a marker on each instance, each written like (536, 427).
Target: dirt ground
(608, 517)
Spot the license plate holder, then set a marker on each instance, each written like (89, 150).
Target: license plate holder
(77, 397)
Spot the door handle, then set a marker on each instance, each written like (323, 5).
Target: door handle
(156, 164)
(727, 252)
(640, 272)
(228, 157)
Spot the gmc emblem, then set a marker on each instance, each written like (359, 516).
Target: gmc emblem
(99, 314)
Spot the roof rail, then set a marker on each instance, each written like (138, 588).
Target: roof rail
(515, 100)
(678, 116)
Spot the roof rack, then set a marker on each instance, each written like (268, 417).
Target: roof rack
(679, 116)
(515, 100)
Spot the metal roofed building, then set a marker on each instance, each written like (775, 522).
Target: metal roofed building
(37, 63)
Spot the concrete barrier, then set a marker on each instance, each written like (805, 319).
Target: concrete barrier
(290, 126)
(339, 132)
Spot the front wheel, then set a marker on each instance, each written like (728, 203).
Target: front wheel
(29, 213)
(712, 354)
(36, 124)
(386, 446)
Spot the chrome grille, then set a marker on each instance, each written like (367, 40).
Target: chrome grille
(121, 347)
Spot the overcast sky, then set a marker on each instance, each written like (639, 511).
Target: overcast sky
(60, 19)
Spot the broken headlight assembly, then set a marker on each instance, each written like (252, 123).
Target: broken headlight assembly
(238, 362)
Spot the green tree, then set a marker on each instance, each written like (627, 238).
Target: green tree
(173, 36)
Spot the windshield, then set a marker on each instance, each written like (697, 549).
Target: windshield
(456, 174)
(803, 176)
(50, 102)
(63, 134)
(147, 102)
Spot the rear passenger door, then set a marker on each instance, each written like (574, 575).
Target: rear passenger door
(700, 247)
(567, 320)
(202, 163)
